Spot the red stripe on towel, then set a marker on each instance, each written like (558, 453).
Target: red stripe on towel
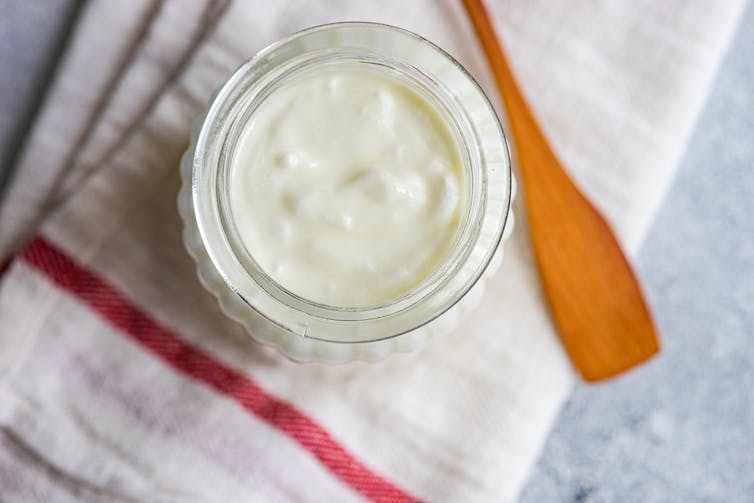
(192, 361)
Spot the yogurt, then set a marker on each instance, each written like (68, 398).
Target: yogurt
(347, 187)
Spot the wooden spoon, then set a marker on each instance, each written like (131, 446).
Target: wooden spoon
(592, 292)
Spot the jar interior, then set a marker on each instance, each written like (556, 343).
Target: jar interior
(402, 75)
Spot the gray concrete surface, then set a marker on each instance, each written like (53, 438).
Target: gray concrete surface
(681, 428)
(32, 35)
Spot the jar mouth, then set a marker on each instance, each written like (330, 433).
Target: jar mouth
(461, 136)
(434, 75)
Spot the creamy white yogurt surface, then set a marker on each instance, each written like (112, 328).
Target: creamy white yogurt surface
(347, 187)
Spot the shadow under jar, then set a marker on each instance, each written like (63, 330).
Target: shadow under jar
(366, 308)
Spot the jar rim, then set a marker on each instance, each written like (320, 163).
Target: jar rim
(482, 137)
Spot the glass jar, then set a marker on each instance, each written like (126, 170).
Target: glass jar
(306, 330)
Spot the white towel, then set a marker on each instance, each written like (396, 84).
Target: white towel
(120, 380)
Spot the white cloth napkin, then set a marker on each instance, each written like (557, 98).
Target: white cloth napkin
(120, 380)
